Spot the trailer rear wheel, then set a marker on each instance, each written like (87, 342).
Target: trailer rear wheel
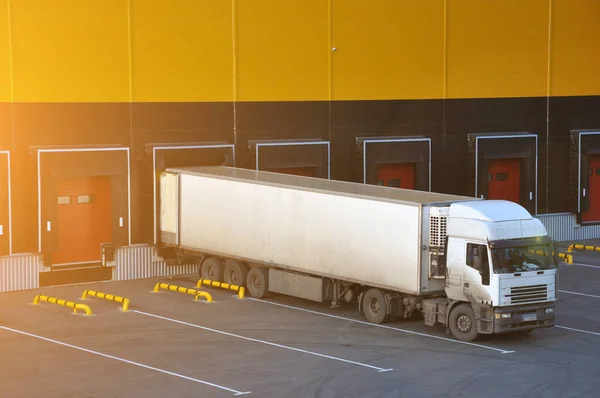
(257, 282)
(235, 273)
(212, 269)
(375, 306)
(463, 323)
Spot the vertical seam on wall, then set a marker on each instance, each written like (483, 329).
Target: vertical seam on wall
(331, 54)
(130, 55)
(234, 70)
(548, 86)
(445, 75)
(11, 77)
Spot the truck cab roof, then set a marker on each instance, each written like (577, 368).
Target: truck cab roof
(489, 210)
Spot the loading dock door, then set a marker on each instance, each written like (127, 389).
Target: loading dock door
(504, 179)
(397, 175)
(4, 207)
(593, 213)
(84, 219)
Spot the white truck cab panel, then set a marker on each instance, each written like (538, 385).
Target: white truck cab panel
(499, 259)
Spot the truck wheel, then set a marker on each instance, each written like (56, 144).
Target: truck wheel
(212, 269)
(462, 322)
(235, 272)
(375, 306)
(257, 282)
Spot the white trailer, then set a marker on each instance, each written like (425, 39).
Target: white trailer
(395, 251)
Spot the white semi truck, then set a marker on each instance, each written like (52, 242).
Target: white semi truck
(476, 266)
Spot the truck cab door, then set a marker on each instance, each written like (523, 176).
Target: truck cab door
(476, 277)
(455, 265)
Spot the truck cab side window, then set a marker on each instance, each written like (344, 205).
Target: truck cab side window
(477, 258)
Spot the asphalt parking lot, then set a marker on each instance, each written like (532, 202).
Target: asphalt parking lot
(170, 345)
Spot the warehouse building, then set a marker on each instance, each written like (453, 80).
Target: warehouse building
(489, 99)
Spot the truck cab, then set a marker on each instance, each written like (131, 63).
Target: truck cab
(500, 271)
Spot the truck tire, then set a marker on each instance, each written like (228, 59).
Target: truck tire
(257, 282)
(375, 306)
(235, 273)
(463, 323)
(212, 269)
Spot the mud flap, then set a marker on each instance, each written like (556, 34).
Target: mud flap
(395, 305)
(359, 302)
(485, 318)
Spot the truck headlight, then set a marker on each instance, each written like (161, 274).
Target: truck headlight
(549, 310)
(504, 315)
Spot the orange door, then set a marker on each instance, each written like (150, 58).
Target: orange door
(398, 175)
(593, 214)
(83, 219)
(504, 179)
(298, 171)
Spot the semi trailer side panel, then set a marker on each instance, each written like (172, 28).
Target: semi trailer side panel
(373, 242)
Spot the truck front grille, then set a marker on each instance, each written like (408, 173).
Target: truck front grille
(528, 294)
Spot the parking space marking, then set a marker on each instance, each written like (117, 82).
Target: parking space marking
(384, 326)
(579, 294)
(235, 392)
(577, 330)
(378, 369)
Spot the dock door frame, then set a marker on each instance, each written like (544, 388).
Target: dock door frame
(508, 135)
(41, 151)
(179, 146)
(9, 189)
(393, 139)
(287, 143)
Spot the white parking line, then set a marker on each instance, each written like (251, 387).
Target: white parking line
(235, 392)
(585, 265)
(383, 326)
(378, 369)
(579, 294)
(577, 330)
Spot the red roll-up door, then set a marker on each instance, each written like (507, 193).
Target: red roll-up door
(398, 175)
(504, 179)
(593, 214)
(83, 219)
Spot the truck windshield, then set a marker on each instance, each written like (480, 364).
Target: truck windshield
(522, 259)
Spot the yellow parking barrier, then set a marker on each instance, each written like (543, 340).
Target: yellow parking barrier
(583, 247)
(173, 288)
(239, 289)
(567, 257)
(64, 303)
(124, 301)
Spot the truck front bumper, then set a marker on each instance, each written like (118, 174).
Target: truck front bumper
(523, 317)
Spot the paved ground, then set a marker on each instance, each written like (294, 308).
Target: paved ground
(169, 345)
